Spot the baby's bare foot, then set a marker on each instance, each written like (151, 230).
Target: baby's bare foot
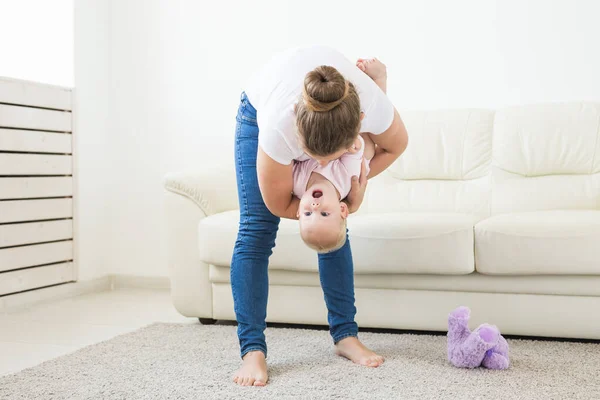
(355, 351)
(374, 68)
(253, 371)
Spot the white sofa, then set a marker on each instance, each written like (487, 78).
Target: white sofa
(495, 210)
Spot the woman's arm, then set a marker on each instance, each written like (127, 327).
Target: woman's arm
(276, 186)
(390, 145)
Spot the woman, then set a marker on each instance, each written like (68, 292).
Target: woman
(275, 127)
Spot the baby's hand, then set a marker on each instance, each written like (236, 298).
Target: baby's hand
(374, 68)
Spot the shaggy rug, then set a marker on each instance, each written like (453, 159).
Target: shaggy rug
(187, 361)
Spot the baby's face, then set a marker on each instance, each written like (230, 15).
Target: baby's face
(321, 212)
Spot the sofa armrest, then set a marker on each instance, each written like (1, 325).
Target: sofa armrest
(190, 197)
(213, 190)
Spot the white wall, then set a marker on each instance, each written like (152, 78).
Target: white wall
(176, 70)
(36, 40)
(138, 137)
(93, 97)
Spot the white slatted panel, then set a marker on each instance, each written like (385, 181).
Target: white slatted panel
(35, 232)
(36, 186)
(32, 278)
(37, 254)
(28, 188)
(35, 164)
(35, 210)
(33, 94)
(34, 118)
(35, 141)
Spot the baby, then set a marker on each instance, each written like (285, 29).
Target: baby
(322, 213)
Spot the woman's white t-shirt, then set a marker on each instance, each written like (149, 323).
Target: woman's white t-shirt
(277, 87)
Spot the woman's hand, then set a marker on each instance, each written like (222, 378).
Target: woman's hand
(357, 191)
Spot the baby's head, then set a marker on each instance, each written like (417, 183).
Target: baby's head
(322, 218)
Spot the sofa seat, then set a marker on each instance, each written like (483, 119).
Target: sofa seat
(556, 242)
(395, 243)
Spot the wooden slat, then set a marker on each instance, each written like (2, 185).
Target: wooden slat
(37, 254)
(35, 232)
(35, 141)
(31, 278)
(34, 118)
(35, 164)
(35, 210)
(15, 91)
(27, 188)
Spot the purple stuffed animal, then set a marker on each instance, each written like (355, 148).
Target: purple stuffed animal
(485, 346)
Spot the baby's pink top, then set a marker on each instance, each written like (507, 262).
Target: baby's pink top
(339, 172)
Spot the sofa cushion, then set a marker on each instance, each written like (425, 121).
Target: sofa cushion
(559, 242)
(546, 158)
(446, 145)
(425, 243)
(548, 139)
(217, 235)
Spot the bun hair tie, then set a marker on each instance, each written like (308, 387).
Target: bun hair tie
(318, 106)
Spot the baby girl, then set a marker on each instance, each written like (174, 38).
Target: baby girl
(321, 189)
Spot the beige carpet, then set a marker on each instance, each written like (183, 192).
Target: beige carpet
(179, 361)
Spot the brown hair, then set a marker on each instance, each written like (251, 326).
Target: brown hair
(328, 115)
(322, 246)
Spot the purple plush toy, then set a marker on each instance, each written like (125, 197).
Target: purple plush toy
(485, 346)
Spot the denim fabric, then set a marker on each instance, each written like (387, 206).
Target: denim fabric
(255, 242)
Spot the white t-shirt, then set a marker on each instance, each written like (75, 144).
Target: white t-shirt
(277, 87)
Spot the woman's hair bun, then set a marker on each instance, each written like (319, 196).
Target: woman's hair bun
(324, 89)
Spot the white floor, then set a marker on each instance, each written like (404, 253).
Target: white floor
(33, 335)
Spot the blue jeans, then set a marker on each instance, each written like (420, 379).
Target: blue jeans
(255, 242)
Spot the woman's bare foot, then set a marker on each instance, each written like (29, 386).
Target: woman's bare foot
(355, 351)
(253, 371)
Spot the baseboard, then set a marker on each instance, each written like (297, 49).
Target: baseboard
(58, 292)
(71, 289)
(137, 281)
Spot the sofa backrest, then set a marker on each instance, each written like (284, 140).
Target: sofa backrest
(546, 157)
(482, 163)
(446, 167)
